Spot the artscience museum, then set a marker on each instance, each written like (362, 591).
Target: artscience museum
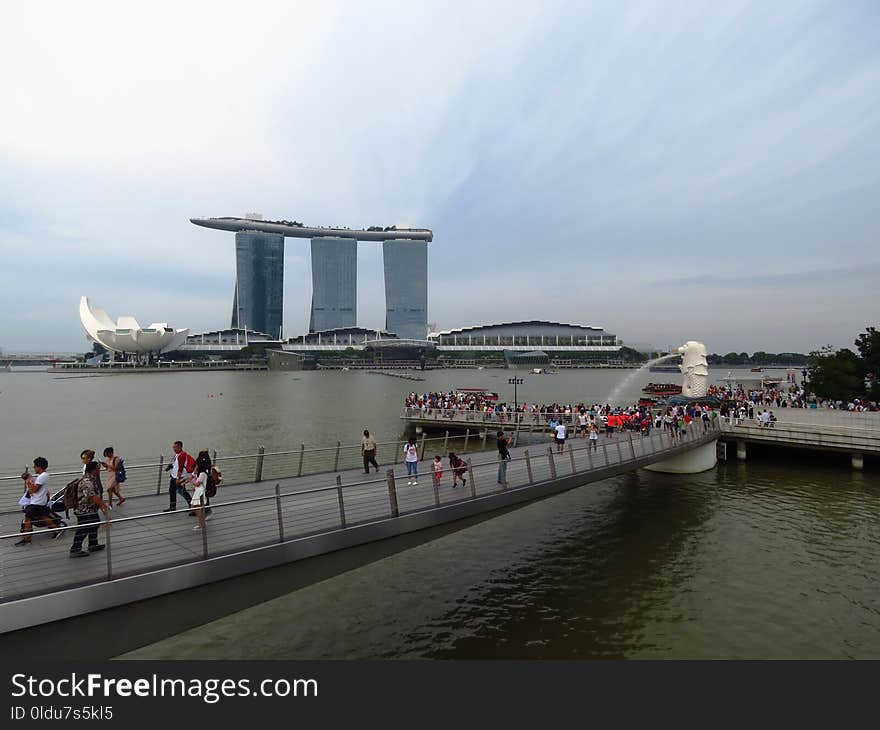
(126, 335)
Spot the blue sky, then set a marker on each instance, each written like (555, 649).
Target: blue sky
(669, 171)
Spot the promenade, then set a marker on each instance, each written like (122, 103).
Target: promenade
(260, 524)
(855, 434)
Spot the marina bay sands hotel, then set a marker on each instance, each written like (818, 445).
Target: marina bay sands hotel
(258, 301)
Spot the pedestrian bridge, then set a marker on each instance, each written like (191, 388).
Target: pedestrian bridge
(856, 434)
(265, 523)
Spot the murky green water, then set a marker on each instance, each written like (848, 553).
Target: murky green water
(777, 557)
(769, 559)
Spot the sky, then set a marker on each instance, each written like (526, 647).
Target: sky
(666, 170)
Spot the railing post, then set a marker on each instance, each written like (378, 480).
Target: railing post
(336, 459)
(339, 498)
(299, 469)
(159, 478)
(278, 510)
(204, 535)
(107, 543)
(529, 468)
(571, 455)
(445, 443)
(467, 435)
(516, 433)
(471, 475)
(436, 483)
(552, 462)
(619, 452)
(392, 494)
(214, 457)
(590, 453)
(632, 446)
(422, 450)
(258, 472)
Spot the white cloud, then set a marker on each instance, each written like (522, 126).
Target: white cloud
(553, 144)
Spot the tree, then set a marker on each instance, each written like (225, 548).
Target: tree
(836, 375)
(868, 344)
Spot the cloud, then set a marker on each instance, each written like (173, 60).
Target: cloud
(584, 154)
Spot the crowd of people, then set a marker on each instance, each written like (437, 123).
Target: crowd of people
(89, 494)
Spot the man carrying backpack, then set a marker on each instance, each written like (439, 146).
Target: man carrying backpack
(86, 505)
(181, 466)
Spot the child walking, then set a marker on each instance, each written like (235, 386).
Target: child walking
(438, 470)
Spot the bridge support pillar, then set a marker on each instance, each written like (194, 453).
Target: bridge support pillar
(741, 450)
(858, 461)
(694, 461)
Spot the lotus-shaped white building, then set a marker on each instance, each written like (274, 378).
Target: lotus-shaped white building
(126, 335)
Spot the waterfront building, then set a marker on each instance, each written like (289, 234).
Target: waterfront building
(526, 336)
(406, 288)
(260, 270)
(334, 284)
(126, 335)
(258, 302)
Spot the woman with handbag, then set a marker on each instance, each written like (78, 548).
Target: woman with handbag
(111, 464)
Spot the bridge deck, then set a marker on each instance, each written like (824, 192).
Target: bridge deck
(860, 436)
(143, 539)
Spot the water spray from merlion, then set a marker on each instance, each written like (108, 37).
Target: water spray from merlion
(694, 369)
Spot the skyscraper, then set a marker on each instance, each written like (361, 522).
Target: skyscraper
(334, 283)
(406, 288)
(258, 303)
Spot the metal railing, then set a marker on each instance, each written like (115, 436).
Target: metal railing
(156, 540)
(146, 476)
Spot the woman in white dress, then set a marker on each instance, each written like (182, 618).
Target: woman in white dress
(199, 481)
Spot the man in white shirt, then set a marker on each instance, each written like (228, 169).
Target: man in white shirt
(560, 437)
(38, 494)
(181, 467)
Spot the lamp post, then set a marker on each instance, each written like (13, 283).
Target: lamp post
(514, 382)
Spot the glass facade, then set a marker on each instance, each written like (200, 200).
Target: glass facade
(258, 302)
(406, 288)
(334, 284)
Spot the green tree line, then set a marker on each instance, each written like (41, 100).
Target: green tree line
(843, 374)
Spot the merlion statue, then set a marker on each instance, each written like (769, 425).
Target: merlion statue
(694, 369)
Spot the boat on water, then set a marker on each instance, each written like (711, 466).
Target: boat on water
(662, 389)
(484, 393)
(757, 370)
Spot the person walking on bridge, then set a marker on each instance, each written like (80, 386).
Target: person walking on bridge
(503, 456)
(180, 466)
(411, 454)
(560, 437)
(368, 452)
(88, 502)
(37, 508)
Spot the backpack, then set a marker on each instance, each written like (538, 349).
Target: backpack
(214, 479)
(189, 464)
(71, 494)
(120, 472)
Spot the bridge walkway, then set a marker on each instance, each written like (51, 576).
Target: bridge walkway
(318, 512)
